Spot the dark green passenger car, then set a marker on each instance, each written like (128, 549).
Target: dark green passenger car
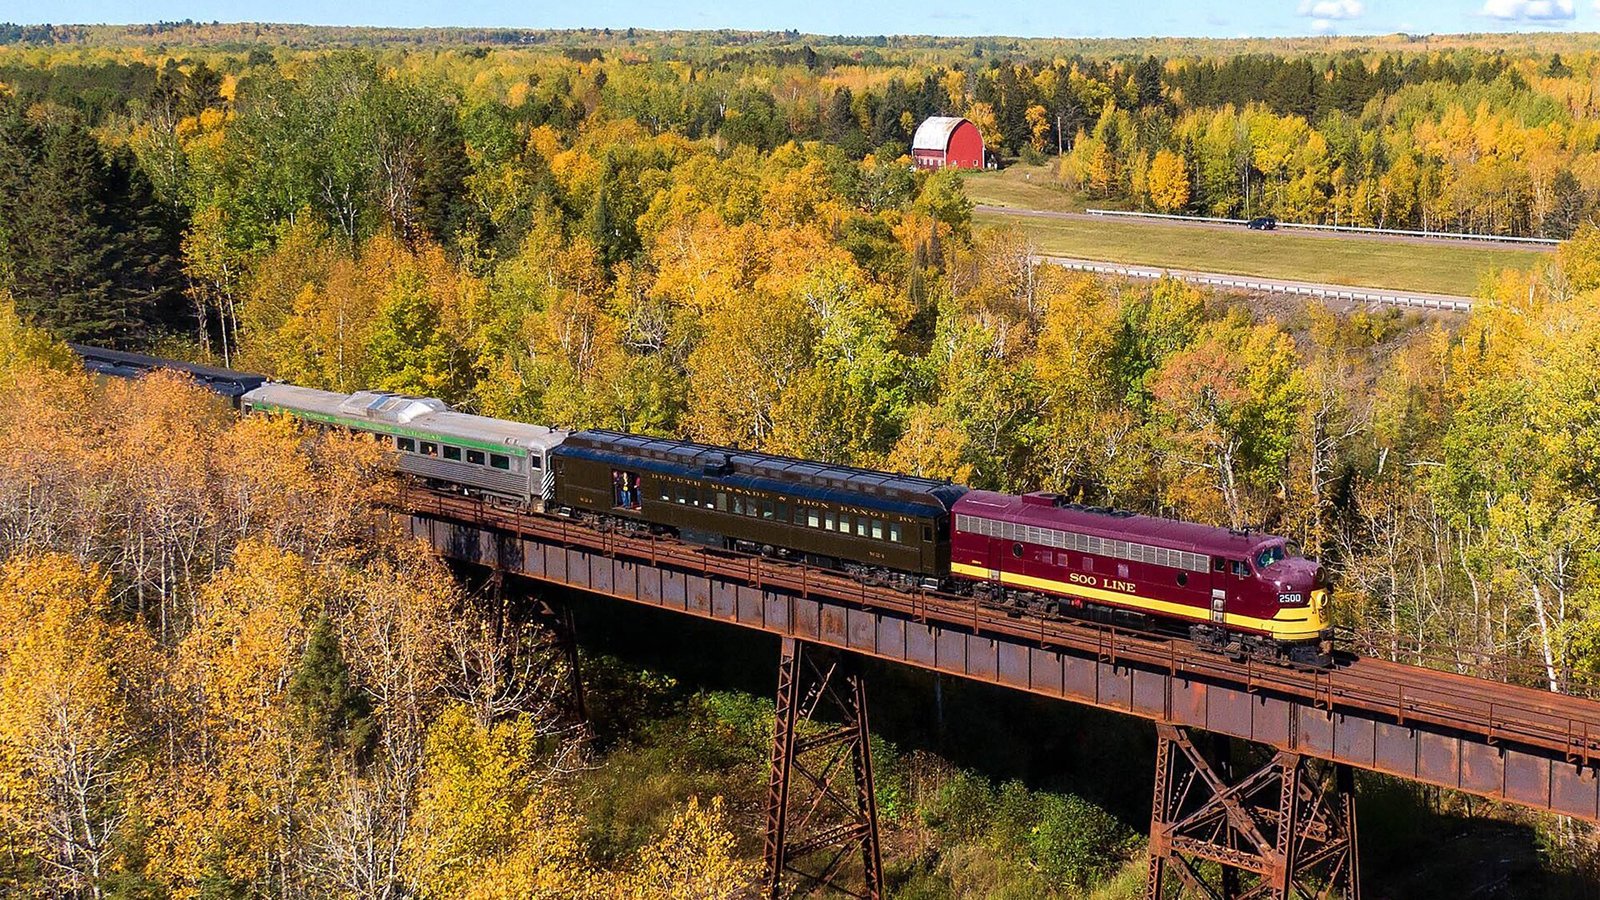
(836, 516)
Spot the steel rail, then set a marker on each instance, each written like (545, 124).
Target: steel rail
(1491, 710)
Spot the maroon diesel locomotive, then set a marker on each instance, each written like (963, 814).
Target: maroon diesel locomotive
(1239, 592)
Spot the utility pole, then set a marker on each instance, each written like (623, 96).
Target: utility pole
(1058, 134)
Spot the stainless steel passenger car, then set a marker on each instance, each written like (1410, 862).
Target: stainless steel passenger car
(493, 457)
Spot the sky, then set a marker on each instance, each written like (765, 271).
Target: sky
(1022, 18)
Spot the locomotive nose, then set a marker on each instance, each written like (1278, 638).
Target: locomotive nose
(1297, 574)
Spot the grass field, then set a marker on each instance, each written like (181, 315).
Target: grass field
(1361, 262)
(1021, 187)
(1435, 268)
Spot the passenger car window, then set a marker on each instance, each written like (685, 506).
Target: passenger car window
(475, 457)
(429, 448)
(452, 453)
(407, 444)
(894, 532)
(861, 526)
(829, 520)
(877, 529)
(533, 463)
(812, 518)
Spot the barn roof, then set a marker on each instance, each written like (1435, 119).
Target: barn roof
(934, 132)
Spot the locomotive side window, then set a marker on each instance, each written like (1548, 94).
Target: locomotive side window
(1016, 550)
(1240, 568)
(1218, 564)
(1183, 578)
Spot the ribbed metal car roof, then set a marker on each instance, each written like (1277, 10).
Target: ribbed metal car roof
(844, 484)
(413, 413)
(1115, 524)
(121, 364)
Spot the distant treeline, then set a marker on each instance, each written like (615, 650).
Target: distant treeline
(183, 169)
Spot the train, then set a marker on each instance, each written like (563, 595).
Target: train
(1235, 592)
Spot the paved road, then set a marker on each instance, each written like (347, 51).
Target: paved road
(1418, 300)
(1266, 235)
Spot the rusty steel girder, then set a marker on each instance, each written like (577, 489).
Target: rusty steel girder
(1516, 745)
(1286, 831)
(822, 814)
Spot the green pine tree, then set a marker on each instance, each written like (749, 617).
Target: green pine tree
(86, 249)
(329, 710)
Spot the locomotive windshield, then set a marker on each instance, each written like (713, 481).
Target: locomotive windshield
(1269, 555)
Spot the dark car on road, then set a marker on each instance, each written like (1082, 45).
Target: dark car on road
(1263, 223)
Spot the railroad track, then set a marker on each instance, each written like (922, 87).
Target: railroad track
(1406, 694)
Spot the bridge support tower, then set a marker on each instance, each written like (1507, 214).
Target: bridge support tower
(1285, 831)
(822, 818)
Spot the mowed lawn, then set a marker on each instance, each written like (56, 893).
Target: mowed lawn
(1439, 268)
(1435, 268)
(1021, 187)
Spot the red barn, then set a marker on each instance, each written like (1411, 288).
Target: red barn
(947, 141)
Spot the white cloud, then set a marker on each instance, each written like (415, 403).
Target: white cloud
(1326, 10)
(1528, 10)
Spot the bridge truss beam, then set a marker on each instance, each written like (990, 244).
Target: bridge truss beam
(1285, 831)
(822, 815)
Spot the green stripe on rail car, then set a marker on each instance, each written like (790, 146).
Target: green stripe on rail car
(325, 418)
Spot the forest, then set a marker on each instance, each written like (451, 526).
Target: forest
(721, 240)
